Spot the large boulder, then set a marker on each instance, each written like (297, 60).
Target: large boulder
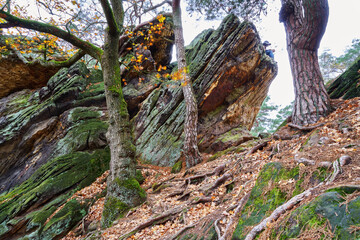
(231, 75)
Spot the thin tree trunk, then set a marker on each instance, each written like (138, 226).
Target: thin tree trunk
(190, 149)
(305, 23)
(123, 191)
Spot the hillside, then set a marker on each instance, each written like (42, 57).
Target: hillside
(300, 183)
(232, 192)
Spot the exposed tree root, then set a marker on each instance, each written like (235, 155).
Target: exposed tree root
(203, 200)
(292, 202)
(173, 237)
(305, 128)
(155, 220)
(312, 162)
(219, 182)
(280, 210)
(257, 147)
(238, 208)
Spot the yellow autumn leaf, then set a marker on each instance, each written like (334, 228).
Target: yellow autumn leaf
(161, 18)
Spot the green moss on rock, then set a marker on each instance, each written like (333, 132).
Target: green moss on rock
(330, 208)
(265, 196)
(64, 220)
(177, 167)
(139, 177)
(123, 194)
(63, 174)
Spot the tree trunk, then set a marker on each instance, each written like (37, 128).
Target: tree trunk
(123, 191)
(305, 23)
(190, 149)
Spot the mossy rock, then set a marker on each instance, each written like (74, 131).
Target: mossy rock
(64, 174)
(64, 220)
(139, 177)
(267, 194)
(328, 211)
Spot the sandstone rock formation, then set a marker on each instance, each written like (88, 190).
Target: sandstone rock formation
(231, 75)
(17, 75)
(52, 139)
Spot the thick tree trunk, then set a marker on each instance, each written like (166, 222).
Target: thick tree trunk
(190, 149)
(305, 23)
(123, 191)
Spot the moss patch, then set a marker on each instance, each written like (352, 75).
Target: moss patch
(123, 194)
(329, 208)
(67, 173)
(113, 209)
(64, 220)
(265, 196)
(177, 167)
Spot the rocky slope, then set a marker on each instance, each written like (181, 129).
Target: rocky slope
(52, 139)
(294, 180)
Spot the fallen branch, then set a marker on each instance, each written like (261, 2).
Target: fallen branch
(305, 128)
(257, 147)
(156, 220)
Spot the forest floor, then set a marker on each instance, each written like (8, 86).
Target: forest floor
(214, 190)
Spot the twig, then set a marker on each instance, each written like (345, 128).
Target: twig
(156, 220)
(305, 128)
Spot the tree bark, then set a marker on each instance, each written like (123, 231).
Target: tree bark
(190, 148)
(123, 191)
(305, 23)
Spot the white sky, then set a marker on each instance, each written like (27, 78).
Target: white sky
(341, 30)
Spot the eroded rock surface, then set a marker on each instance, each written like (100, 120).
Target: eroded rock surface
(231, 75)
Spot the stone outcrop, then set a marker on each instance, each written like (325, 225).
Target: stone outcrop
(52, 144)
(231, 75)
(52, 139)
(347, 85)
(17, 75)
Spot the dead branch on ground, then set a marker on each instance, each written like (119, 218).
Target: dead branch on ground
(155, 220)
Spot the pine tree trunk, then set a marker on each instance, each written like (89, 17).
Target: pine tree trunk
(190, 148)
(305, 23)
(123, 191)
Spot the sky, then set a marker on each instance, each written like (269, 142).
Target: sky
(341, 30)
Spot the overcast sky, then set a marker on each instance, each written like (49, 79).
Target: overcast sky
(341, 30)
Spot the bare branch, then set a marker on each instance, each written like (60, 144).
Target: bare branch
(157, 6)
